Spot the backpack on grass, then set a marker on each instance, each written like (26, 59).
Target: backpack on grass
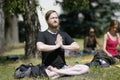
(101, 59)
(23, 71)
(29, 70)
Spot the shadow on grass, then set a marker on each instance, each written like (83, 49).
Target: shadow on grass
(11, 59)
(81, 77)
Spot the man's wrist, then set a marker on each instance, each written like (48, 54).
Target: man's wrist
(62, 46)
(57, 46)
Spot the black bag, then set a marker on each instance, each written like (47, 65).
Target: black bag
(38, 71)
(101, 59)
(22, 71)
(28, 70)
(103, 56)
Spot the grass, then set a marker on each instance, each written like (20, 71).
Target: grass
(7, 67)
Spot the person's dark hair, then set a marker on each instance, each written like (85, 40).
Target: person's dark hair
(88, 32)
(49, 13)
(112, 23)
(93, 32)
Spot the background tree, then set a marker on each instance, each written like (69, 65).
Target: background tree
(81, 14)
(70, 21)
(32, 27)
(2, 38)
(74, 6)
(104, 12)
(11, 10)
(28, 9)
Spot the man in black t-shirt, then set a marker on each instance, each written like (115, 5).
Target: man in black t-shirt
(54, 57)
(52, 44)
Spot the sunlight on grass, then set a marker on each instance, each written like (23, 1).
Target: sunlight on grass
(19, 51)
(80, 42)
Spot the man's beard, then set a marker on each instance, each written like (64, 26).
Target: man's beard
(54, 26)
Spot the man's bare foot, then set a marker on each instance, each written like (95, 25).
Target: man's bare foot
(55, 76)
(52, 68)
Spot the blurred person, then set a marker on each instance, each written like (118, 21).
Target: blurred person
(71, 53)
(91, 42)
(52, 44)
(112, 40)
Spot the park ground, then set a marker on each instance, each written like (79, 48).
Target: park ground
(7, 67)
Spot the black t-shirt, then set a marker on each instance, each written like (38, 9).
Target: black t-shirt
(55, 58)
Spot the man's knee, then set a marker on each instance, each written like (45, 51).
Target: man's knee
(86, 68)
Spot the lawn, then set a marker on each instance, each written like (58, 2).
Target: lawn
(7, 67)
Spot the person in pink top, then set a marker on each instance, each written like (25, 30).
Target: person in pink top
(112, 40)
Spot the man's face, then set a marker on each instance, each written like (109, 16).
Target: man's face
(53, 20)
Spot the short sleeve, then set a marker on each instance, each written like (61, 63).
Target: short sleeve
(41, 37)
(68, 39)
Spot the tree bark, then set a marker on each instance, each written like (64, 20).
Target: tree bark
(32, 28)
(2, 33)
(11, 29)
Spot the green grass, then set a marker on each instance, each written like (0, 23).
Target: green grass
(7, 67)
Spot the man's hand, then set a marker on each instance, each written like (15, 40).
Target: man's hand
(58, 41)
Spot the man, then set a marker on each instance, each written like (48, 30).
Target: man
(53, 42)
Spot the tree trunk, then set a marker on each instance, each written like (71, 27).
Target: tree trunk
(11, 29)
(32, 27)
(2, 39)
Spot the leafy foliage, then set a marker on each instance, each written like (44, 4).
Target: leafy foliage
(106, 11)
(95, 13)
(13, 7)
(75, 5)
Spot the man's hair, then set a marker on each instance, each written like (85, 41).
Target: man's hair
(49, 13)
